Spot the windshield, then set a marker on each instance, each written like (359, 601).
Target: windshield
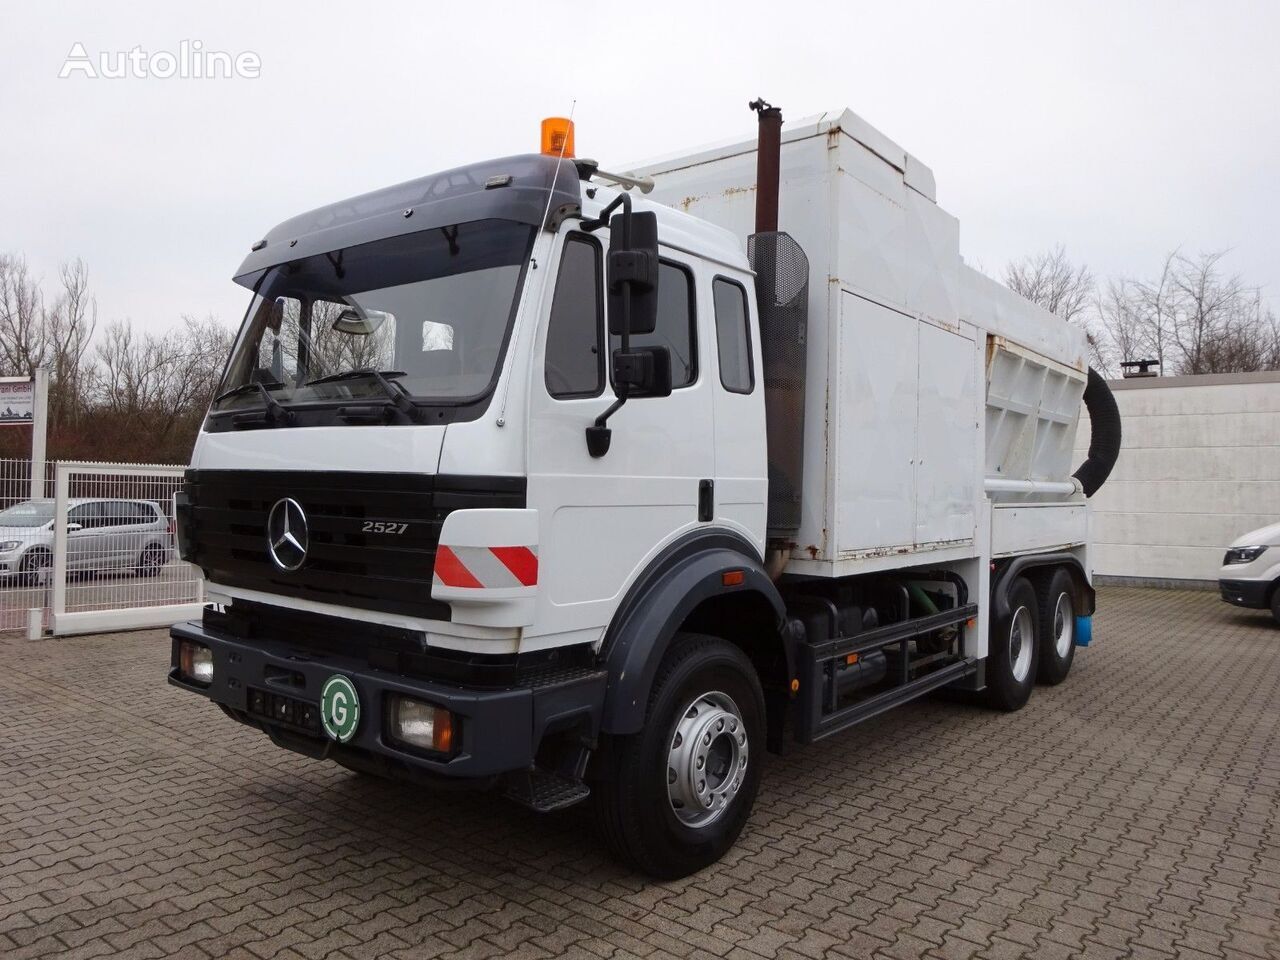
(33, 513)
(429, 311)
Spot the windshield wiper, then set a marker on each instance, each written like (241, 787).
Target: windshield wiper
(396, 392)
(276, 412)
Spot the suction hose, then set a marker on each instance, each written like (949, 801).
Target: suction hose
(1104, 438)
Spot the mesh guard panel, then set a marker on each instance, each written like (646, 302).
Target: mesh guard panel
(782, 293)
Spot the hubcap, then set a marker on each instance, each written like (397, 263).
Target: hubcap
(707, 760)
(1064, 625)
(1021, 637)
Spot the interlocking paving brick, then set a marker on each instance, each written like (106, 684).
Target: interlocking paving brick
(1132, 812)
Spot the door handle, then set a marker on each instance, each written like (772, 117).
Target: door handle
(706, 501)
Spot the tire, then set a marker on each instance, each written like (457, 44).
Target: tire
(150, 560)
(1057, 623)
(1275, 603)
(35, 561)
(654, 818)
(1013, 651)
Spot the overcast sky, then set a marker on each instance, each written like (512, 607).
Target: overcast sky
(1118, 129)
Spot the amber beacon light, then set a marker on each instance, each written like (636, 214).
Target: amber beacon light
(557, 137)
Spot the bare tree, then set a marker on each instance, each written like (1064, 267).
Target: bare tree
(1123, 318)
(1193, 318)
(1065, 289)
(1054, 282)
(1158, 303)
(122, 394)
(1207, 305)
(22, 341)
(68, 328)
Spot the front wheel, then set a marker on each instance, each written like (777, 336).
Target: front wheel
(676, 794)
(1013, 651)
(34, 564)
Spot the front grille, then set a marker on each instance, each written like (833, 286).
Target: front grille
(372, 536)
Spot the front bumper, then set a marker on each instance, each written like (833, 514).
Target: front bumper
(499, 730)
(1245, 593)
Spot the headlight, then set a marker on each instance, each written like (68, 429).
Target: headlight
(421, 725)
(10, 545)
(1242, 555)
(195, 662)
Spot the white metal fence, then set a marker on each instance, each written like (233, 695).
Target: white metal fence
(90, 547)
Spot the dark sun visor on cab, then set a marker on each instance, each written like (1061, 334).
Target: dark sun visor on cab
(521, 188)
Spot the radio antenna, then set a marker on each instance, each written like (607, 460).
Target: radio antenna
(564, 144)
(551, 193)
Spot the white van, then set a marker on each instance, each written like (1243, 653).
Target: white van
(1251, 571)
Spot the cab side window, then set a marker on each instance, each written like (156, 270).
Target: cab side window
(574, 365)
(733, 336)
(676, 324)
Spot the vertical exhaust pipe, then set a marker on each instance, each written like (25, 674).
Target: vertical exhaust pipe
(768, 154)
(782, 299)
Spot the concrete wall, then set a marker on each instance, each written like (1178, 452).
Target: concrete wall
(1199, 466)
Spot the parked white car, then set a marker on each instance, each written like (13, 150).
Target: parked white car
(102, 534)
(1251, 571)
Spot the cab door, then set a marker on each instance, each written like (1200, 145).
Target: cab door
(601, 520)
(742, 486)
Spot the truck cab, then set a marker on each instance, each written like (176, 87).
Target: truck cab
(508, 482)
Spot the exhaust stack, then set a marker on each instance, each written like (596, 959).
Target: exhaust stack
(782, 298)
(768, 154)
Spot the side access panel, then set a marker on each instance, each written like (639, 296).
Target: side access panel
(1018, 528)
(876, 428)
(947, 450)
(906, 433)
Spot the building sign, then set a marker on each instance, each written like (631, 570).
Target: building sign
(17, 401)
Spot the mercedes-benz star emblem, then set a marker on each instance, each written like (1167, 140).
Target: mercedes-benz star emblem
(287, 534)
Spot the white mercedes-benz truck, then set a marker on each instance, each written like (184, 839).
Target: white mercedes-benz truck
(590, 486)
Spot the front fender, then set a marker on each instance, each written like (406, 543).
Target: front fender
(664, 597)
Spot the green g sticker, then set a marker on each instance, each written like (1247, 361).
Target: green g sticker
(339, 708)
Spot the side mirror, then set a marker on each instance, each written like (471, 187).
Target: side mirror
(645, 371)
(275, 314)
(73, 527)
(633, 273)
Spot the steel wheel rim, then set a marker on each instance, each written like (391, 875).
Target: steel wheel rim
(707, 759)
(1021, 639)
(1064, 625)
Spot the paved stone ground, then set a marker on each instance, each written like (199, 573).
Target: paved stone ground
(1132, 812)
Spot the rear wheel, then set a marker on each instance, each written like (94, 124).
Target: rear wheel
(151, 560)
(676, 794)
(1013, 649)
(1057, 616)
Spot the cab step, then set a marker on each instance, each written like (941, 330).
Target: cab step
(543, 791)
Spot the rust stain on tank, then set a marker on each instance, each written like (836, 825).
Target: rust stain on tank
(813, 552)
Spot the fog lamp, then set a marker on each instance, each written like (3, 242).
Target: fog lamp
(195, 662)
(421, 725)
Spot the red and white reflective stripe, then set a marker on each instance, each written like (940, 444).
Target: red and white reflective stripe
(481, 568)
